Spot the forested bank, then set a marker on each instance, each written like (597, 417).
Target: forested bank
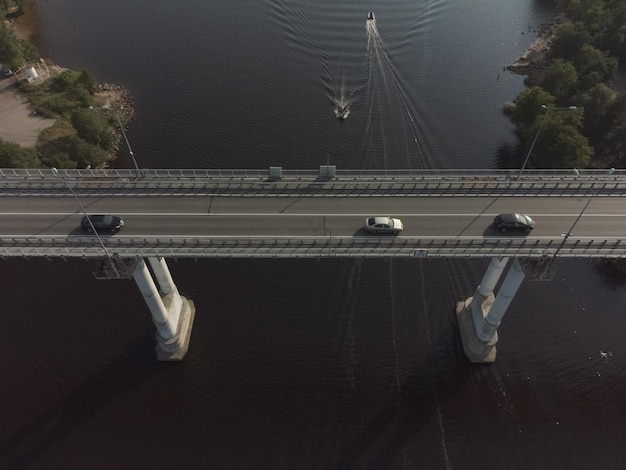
(570, 110)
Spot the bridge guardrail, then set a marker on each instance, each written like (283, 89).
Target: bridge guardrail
(353, 247)
(339, 174)
(354, 186)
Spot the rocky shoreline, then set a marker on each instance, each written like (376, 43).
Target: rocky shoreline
(118, 98)
(534, 59)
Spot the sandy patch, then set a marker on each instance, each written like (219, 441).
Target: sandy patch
(17, 122)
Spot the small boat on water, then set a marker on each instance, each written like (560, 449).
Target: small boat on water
(370, 15)
(342, 112)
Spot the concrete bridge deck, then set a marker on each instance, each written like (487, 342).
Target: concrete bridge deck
(286, 214)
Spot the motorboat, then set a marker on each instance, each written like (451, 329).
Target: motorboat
(342, 112)
(370, 15)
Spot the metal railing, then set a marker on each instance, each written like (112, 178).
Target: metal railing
(249, 183)
(264, 174)
(307, 247)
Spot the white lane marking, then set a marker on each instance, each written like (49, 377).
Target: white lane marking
(347, 237)
(289, 214)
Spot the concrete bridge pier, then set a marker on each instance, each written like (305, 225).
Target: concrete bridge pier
(172, 313)
(479, 316)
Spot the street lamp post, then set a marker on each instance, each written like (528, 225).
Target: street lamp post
(130, 150)
(545, 117)
(55, 172)
(565, 238)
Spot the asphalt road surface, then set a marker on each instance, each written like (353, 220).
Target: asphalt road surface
(440, 217)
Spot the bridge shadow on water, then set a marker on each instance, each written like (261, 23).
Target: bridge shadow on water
(136, 364)
(416, 404)
(399, 414)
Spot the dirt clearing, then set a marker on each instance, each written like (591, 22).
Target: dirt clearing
(17, 122)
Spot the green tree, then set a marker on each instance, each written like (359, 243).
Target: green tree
(59, 160)
(84, 98)
(93, 127)
(560, 79)
(14, 156)
(613, 141)
(592, 14)
(10, 52)
(560, 145)
(594, 66)
(528, 110)
(86, 82)
(15, 52)
(595, 101)
(615, 32)
(85, 153)
(568, 40)
(66, 79)
(554, 131)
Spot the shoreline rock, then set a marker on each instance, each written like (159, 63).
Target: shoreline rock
(118, 98)
(534, 59)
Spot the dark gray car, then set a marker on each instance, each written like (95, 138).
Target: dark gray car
(102, 223)
(514, 221)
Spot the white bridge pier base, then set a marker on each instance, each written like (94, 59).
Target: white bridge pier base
(172, 314)
(479, 316)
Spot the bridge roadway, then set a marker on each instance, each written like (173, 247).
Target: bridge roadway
(245, 213)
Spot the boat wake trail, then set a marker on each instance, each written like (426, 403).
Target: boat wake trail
(392, 133)
(342, 102)
(342, 87)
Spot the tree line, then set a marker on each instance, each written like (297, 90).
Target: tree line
(569, 110)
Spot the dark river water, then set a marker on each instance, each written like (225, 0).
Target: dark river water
(310, 364)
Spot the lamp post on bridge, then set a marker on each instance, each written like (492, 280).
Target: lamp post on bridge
(545, 118)
(55, 172)
(566, 236)
(130, 150)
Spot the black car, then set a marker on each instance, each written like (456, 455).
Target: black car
(515, 221)
(102, 223)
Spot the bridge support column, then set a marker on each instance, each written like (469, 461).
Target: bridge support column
(172, 314)
(479, 316)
